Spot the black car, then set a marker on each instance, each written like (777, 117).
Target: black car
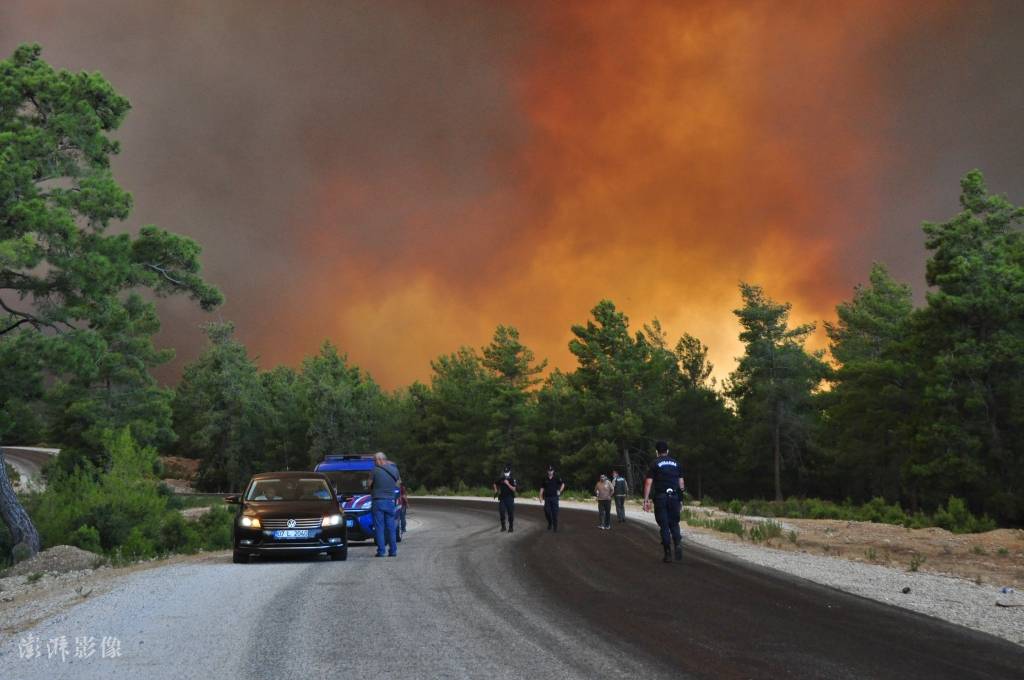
(289, 513)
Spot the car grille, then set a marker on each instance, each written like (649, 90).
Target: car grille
(300, 523)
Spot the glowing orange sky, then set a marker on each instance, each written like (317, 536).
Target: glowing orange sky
(402, 177)
(673, 149)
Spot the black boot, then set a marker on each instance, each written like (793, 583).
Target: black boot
(502, 527)
(679, 552)
(510, 527)
(668, 554)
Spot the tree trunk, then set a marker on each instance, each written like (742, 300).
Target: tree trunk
(14, 516)
(777, 435)
(629, 469)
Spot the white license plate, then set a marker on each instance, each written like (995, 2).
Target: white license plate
(292, 533)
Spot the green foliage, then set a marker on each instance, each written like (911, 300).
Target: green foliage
(87, 538)
(955, 517)
(218, 412)
(773, 385)
(867, 410)
(929, 403)
(72, 313)
(344, 405)
(916, 561)
(765, 531)
(123, 512)
(727, 525)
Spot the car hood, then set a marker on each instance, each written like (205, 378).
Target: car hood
(290, 509)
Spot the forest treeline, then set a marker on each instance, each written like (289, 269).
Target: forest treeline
(912, 404)
(909, 404)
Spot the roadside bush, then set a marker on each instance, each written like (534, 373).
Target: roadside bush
(765, 531)
(214, 529)
(87, 538)
(137, 546)
(126, 513)
(877, 510)
(728, 525)
(178, 535)
(124, 500)
(955, 516)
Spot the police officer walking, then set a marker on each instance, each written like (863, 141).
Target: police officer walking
(550, 489)
(505, 489)
(621, 489)
(665, 480)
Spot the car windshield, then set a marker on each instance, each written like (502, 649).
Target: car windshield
(289, 489)
(349, 481)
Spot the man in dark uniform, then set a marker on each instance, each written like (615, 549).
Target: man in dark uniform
(621, 489)
(665, 480)
(505, 489)
(550, 489)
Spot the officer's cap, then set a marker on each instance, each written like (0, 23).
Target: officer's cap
(661, 447)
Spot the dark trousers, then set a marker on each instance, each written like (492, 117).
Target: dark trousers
(506, 506)
(604, 513)
(551, 511)
(666, 512)
(620, 508)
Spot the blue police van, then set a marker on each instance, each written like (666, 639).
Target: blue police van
(351, 474)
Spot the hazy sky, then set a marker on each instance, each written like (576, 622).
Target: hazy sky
(402, 177)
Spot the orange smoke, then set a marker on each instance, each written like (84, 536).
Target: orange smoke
(668, 150)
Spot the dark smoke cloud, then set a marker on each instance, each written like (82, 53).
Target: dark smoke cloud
(401, 177)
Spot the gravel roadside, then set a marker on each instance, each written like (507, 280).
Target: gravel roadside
(948, 598)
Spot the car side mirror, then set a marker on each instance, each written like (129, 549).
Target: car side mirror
(234, 499)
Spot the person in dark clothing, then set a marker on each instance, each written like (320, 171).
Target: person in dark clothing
(505, 490)
(665, 480)
(550, 489)
(621, 489)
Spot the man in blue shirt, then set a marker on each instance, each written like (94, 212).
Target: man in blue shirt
(385, 480)
(665, 479)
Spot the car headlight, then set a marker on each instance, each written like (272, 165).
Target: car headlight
(331, 521)
(250, 522)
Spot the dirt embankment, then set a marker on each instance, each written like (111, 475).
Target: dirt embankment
(994, 557)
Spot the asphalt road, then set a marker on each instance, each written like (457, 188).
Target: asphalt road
(462, 600)
(29, 462)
